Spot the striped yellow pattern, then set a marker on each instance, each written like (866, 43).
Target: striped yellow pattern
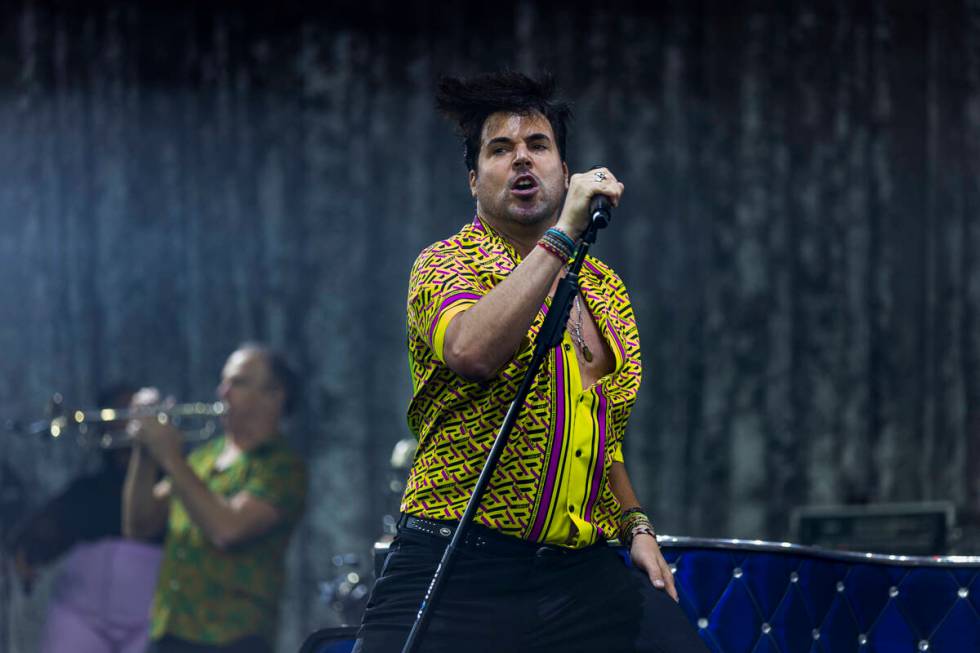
(551, 484)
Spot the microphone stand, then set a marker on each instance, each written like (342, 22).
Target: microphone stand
(549, 336)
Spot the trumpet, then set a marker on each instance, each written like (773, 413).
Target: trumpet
(197, 420)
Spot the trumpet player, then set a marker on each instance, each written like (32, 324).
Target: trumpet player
(227, 509)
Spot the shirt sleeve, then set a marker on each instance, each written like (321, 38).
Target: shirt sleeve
(617, 453)
(280, 479)
(441, 287)
(627, 350)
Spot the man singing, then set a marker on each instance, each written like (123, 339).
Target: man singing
(534, 573)
(228, 510)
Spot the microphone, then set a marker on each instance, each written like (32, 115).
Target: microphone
(600, 209)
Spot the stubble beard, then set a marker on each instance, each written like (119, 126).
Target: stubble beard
(527, 214)
(530, 218)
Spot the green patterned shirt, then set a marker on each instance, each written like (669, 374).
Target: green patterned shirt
(215, 596)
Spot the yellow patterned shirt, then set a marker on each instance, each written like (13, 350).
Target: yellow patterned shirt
(551, 482)
(213, 596)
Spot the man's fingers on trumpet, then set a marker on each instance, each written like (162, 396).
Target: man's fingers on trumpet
(146, 397)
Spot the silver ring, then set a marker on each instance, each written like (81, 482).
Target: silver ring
(599, 175)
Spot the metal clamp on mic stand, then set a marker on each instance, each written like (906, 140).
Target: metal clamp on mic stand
(548, 337)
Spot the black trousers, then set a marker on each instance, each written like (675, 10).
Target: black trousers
(523, 599)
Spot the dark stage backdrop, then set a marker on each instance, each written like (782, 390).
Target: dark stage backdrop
(800, 234)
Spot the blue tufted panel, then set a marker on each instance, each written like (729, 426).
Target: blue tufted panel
(764, 597)
(759, 598)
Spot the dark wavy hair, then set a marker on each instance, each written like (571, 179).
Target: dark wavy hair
(469, 102)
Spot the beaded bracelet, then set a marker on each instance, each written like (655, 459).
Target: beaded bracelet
(640, 530)
(631, 515)
(625, 535)
(632, 519)
(563, 236)
(629, 531)
(551, 249)
(559, 242)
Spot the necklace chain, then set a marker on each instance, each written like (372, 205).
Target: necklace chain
(577, 331)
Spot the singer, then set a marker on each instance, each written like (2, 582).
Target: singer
(534, 572)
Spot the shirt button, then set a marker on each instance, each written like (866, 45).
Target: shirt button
(578, 453)
(568, 347)
(174, 585)
(571, 508)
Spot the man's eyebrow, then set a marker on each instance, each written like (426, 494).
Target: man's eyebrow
(503, 140)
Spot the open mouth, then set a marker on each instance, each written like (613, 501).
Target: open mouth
(524, 186)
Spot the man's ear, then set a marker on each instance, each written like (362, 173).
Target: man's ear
(473, 183)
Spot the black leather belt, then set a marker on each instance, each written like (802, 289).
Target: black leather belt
(480, 538)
